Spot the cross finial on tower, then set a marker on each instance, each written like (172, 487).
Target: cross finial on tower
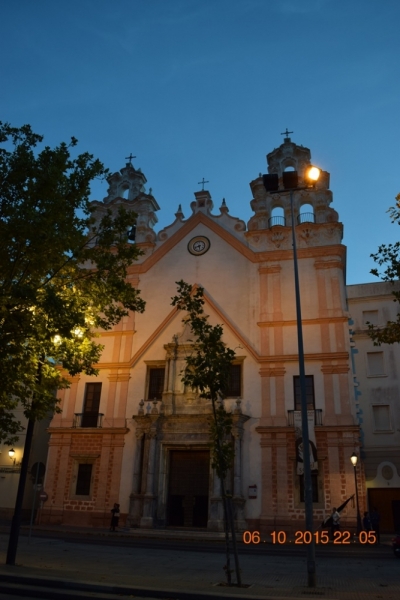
(202, 183)
(286, 133)
(130, 158)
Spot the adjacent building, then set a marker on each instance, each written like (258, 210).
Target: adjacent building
(378, 397)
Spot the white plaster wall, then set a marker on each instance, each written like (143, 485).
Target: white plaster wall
(375, 390)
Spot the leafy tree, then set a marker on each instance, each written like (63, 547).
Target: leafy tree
(207, 370)
(388, 257)
(62, 272)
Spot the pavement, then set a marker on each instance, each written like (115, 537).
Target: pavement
(67, 562)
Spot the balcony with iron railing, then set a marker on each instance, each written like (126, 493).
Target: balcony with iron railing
(280, 221)
(306, 217)
(317, 417)
(276, 221)
(88, 419)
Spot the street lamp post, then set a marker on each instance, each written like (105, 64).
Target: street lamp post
(354, 460)
(290, 184)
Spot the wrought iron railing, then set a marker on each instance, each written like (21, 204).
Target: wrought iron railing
(274, 221)
(88, 419)
(317, 417)
(306, 217)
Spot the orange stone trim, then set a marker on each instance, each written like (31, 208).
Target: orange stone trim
(116, 333)
(80, 431)
(272, 372)
(317, 321)
(119, 377)
(328, 264)
(269, 269)
(335, 369)
(320, 356)
(84, 454)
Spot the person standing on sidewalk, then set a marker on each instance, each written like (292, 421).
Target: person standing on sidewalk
(367, 522)
(335, 522)
(114, 517)
(375, 523)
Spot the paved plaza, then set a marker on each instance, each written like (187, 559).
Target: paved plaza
(109, 560)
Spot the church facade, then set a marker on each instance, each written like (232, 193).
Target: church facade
(137, 436)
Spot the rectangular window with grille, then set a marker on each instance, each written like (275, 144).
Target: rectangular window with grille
(234, 389)
(91, 405)
(156, 383)
(309, 392)
(84, 479)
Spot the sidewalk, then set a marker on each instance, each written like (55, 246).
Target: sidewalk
(197, 573)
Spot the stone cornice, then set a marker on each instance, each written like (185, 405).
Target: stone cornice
(83, 431)
(318, 356)
(291, 323)
(263, 360)
(119, 376)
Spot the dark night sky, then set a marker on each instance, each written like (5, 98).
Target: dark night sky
(205, 87)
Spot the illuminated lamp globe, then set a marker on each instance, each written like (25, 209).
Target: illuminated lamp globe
(354, 459)
(313, 174)
(11, 453)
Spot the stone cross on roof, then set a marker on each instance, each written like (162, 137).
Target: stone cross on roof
(202, 183)
(130, 158)
(286, 133)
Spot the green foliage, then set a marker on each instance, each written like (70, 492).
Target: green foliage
(62, 272)
(388, 256)
(207, 370)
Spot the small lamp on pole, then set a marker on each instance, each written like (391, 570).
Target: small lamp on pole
(354, 460)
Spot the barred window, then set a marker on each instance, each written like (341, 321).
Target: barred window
(91, 404)
(234, 388)
(84, 479)
(156, 383)
(309, 392)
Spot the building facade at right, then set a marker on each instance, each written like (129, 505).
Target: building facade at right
(377, 390)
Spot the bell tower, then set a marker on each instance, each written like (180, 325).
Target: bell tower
(127, 189)
(311, 206)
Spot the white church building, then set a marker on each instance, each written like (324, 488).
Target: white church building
(136, 435)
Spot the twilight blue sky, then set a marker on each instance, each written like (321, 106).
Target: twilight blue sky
(199, 88)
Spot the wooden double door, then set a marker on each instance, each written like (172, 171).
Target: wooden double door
(188, 491)
(387, 501)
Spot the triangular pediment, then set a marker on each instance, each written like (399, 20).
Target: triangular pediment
(187, 227)
(174, 313)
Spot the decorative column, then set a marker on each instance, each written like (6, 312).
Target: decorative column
(136, 498)
(147, 519)
(238, 499)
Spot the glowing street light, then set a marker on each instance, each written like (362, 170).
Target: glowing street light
(290, 181)
(354, 460)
